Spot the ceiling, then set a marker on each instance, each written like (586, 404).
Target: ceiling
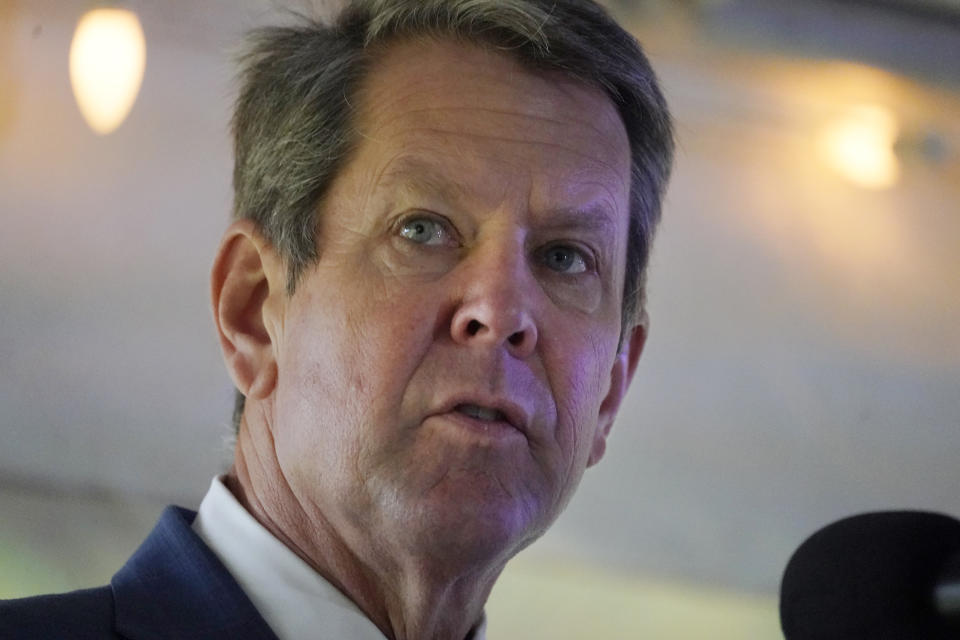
(804, 360)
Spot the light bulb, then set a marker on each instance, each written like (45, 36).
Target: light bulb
(859, 144)
(107, 60)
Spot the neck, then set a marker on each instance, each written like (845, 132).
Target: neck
(407, 595)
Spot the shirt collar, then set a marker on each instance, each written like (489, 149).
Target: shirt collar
(296, 601)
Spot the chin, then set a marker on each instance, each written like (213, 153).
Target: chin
(475, 526)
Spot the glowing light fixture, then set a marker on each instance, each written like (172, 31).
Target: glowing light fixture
(107, 60)
(859, 145)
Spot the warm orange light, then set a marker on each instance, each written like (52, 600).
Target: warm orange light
(107, 60)
(858, 144)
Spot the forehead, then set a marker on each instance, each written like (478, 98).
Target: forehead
(449, 103)
(438, 72)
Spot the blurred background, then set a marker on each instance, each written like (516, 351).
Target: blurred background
(804, 357)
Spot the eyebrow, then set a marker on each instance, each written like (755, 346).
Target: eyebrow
(424, 177)
(596, 217)
(421, 177)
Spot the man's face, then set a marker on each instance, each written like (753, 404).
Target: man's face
(445, 369)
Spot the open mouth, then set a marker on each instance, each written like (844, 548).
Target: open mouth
(481, 413)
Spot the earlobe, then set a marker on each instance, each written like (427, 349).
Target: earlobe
(243, 282)
(621, 374)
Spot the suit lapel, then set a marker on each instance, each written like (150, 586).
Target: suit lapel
(175, 587)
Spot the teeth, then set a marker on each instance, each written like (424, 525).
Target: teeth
(481, 413)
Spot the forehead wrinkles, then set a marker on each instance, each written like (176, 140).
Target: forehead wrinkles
(498, 142)
(567, 197)
(447, 89)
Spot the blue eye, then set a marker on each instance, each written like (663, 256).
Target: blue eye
(423, 230)
(564, 259)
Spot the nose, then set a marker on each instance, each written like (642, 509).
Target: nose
(496, 309)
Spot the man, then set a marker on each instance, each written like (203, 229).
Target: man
(431, 305)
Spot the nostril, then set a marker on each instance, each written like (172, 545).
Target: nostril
(473, 327)
(516, 338)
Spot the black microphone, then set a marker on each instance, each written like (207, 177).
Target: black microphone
(890, 575)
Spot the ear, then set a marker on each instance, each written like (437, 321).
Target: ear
(621, 374)
(246, 290)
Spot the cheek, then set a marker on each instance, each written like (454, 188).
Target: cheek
(352, 348)
(319, 390)
(580, 382)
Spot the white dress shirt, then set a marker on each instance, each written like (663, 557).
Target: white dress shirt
(296, 601)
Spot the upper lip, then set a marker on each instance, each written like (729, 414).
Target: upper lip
(515, 414)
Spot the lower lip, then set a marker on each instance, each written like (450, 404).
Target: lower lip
(485, 429)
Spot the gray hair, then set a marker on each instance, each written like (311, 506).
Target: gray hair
(292, 122)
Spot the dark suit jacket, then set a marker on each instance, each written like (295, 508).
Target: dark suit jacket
(172, 587)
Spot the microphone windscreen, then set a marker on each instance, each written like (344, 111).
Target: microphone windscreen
(870, 576)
